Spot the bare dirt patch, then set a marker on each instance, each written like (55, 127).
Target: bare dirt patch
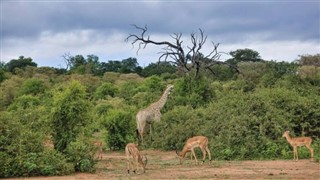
(165, 165)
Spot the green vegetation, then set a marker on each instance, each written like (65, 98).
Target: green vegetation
(243, 114)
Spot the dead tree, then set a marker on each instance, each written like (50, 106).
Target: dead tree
(67, 59)
(187, 60)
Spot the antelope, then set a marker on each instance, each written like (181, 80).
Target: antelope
(47, 143)
(134, 158)
(98, 145)
(191, 143)
(298, 141)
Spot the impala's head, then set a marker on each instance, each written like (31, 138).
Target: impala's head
(180, 157)
(286, 133)
(144, 162)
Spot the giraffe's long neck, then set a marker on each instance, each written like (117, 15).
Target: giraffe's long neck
(162, 101)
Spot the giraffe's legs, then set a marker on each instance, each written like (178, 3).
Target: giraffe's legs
(150, 132)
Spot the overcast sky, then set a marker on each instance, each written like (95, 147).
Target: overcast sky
(45, 30)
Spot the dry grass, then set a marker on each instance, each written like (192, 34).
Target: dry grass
(165, 165)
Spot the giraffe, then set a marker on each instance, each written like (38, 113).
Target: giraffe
(151, 113)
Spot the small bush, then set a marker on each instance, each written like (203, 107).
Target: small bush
(81, 154)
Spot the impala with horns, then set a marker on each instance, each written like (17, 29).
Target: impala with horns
(134, 158)
(191, 143)
(298, 141)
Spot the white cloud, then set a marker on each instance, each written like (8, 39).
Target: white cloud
(277, 50)
(49, 46)
(47, 49)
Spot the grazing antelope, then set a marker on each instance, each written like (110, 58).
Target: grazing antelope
(298, 141)
(134, 158)
(197, 141)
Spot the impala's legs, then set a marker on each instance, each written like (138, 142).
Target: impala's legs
(204, 153)
(310, 149)
(128, 166)
(295, 153)
(209, 154)
(195, 157)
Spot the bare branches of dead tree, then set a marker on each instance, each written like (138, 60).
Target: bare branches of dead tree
(189, 59)
(67, 59)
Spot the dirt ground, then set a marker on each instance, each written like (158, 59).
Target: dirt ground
(165, 165)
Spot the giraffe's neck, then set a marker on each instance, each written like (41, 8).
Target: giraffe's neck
(162, 101)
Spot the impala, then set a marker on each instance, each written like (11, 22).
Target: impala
(197, 141)
(98, 146)
(47, 143)
(298, 141)
(134, 158)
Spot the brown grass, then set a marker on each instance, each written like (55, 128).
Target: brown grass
(165, 165)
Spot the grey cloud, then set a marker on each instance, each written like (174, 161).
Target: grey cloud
(286, 20)
(243, 22)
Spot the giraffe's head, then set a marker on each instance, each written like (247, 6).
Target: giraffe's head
(169, 88)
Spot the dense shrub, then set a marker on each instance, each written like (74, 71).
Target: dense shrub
(192, 92)
(70, 115)
(81, 154)
(32, 87)
(106, 89)
(242, 125)
(120, 126)
(244, 116)
(22, 152)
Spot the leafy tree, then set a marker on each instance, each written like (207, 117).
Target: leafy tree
(21, 63)
(92, 65)
(249, 71)
(2, 71)
(309, 60)
(2, 75)
(77, 61)
(245, 55)
(158, 69)
(111, 66)
(310, 68)
(129, 65)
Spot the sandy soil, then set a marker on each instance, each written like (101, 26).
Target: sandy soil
(164, 165)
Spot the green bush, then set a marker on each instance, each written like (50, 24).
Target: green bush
(241, 125)
(22, 152)
(106, 89)
(120, 127)
(32, 86)
(81, 154)
(70, 115)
